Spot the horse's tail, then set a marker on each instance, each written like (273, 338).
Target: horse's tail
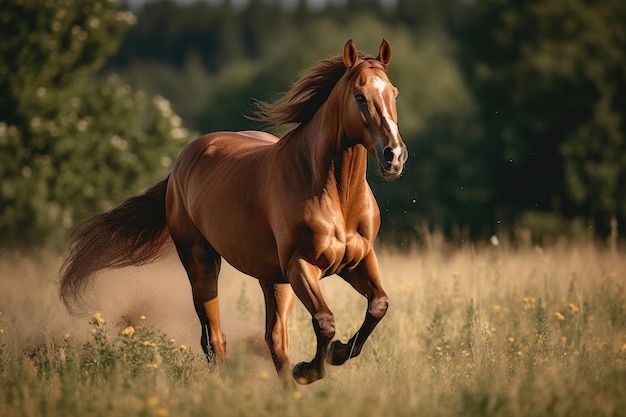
(133, 233)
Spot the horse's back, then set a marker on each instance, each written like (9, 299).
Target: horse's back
(225, 143)
(221, 151)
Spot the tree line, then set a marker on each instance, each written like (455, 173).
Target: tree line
(514, 112)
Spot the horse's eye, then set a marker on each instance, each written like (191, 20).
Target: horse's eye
(360, 99)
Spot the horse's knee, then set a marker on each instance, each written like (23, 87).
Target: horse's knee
(378, 307)
(324, 324)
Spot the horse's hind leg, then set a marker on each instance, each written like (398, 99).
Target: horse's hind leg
(365, 278)
(202, 264)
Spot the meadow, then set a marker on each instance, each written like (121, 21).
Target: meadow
(478, 330)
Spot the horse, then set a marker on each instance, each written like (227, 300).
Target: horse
(287, 211)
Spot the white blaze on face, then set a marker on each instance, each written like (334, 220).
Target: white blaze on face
(380, 85)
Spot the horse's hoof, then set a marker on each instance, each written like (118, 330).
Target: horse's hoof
(305, 373)
(338, 353)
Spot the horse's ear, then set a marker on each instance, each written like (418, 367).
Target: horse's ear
(350, 54)
(384, 53)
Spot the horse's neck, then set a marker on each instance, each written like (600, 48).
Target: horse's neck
(336, 164)
(348, 169)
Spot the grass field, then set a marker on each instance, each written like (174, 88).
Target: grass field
(488, 331)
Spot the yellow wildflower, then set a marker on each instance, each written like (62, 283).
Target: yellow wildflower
(129, 331)
(530, 303)
(97, 318)
(559, 316)
(573, 307)
(142, 317)
(1, 330)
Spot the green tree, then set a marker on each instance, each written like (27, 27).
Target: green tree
(71, 145)
(551, 79)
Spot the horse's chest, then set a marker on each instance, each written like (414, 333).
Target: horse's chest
(356, 247)
(329, 238)
(339, 249)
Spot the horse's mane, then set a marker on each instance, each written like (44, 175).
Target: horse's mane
(306, 96)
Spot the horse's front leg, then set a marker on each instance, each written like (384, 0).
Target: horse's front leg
(365, 278)
(279, 299)
(304, 278)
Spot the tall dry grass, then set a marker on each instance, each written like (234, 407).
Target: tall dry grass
(485, 331)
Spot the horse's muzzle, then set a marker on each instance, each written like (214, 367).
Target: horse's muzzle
(392, 160)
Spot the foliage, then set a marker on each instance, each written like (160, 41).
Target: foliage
(550, 77)
(137, 358)
(71, 145)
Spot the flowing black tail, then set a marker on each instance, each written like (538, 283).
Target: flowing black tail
(133, 233)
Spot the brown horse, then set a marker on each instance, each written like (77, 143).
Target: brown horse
(286, 211)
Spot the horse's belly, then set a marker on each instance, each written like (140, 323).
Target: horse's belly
(257, 261)
(243, 239)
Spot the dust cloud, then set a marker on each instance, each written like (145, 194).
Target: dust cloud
(159, 294)
(31, 312)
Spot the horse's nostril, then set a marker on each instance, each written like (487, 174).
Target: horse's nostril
(388, 154)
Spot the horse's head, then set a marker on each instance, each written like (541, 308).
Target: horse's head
(370, 115)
